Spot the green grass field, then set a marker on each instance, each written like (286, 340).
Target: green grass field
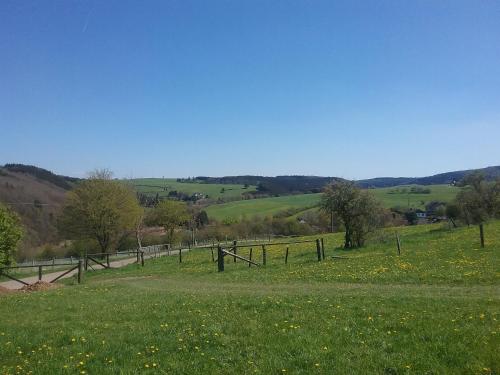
(262, 206)
(390, 197)
(432, 310)
(394, 196)
(151, 186)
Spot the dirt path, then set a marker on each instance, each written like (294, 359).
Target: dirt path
(52, 275)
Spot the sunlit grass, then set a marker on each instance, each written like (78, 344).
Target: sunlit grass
(433, 310)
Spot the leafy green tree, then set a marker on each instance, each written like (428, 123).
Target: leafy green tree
(479, 201)
(411, 217)
(358, 210)
(201, 218)
(100, 209)
(170, 215)
(10, 234)
(453, 213)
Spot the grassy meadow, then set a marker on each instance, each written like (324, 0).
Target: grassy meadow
(401, 196)
(163, 186)
(261, 206)
(432, 310)
(390, 197)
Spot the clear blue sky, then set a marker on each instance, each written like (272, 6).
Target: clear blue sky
(355, 89)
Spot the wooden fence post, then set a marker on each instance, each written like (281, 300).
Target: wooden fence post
(323, 248)
(142, 258)
(107, 260)
(264, 255)
(250, 257)
(234, 250)
(398, 243)
(220, 259)
(80, 266)
(286, 255)
(318, 250)
(481, 234)
(86, 264)
(180, 254)
(212, 250)
(39, 273)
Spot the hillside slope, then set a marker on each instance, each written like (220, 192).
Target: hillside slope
(490, 173)
(37, 202)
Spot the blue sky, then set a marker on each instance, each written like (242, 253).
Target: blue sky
(355, 89)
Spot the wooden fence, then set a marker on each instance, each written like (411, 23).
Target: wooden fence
(232, 251)
(4, 271)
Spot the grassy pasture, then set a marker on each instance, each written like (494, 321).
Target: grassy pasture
(151, 186)
(433, 310)
(394, 196)
(391, 197)
(262, 206)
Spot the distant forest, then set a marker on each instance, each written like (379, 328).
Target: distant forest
(281, 185)
(490, 173)
(278, 185)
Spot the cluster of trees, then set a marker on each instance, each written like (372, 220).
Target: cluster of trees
(146, 200)
(255, 227)
(179, 195)
(412, 190)
(108, 212)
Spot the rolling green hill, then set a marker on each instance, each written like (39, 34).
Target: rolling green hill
(262, 206)
(401, 195)
(391, 197)
(163, 186)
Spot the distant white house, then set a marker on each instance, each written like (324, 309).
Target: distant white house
(421, 214)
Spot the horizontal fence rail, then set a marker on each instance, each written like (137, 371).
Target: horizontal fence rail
(78, 267)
